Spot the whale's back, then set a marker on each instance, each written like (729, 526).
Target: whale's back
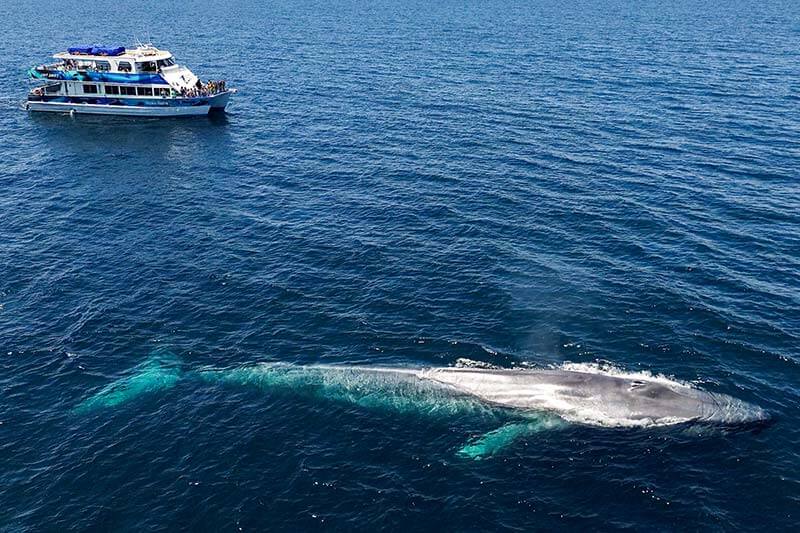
(596, 398)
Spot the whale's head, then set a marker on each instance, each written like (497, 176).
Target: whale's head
(723, 410)
(692, 405)
(600, 398)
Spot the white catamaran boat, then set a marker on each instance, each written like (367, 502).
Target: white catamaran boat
(143, 81)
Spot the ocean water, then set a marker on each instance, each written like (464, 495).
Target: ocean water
(401, 183)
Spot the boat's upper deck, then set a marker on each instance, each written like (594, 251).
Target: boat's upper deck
(143, 59)
(144, 64)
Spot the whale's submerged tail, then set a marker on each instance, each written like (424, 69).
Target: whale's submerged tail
(155, 374)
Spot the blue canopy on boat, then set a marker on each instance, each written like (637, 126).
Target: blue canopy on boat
(97, 50)
(80, 49)
(108, 50)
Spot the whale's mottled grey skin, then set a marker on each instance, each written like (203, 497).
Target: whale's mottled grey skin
(597, 398)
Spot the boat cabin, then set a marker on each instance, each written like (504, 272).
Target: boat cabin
(142, 60)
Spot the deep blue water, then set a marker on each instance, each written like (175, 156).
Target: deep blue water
(403, 183)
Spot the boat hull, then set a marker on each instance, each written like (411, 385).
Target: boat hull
(189, 107)
(124, 110)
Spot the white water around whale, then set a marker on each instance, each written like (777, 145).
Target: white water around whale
(611, 370)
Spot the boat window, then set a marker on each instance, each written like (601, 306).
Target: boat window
(163, 92)
(166, 62)
(102, 65)
(147, 66)
(50, 89)
(124, 66)
(144, 91)
(89, 88)
(130, 91)
(112, 89)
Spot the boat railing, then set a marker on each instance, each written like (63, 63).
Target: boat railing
(44, 90)
(46, 69)
(72, 64)
(52, 70)
(210, 88)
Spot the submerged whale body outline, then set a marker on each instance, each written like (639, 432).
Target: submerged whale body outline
(526, 400)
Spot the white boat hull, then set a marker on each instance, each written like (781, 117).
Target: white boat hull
(125, 110)
(215, 103)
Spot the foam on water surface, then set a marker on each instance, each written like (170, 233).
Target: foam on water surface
(610, 370)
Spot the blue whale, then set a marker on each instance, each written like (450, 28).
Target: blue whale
(525, 400)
